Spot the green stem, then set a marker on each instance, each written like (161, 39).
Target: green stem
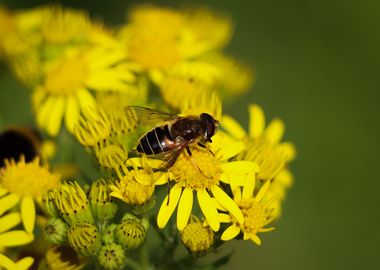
(133, 264)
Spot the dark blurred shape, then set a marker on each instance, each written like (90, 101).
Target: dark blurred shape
(18, 140)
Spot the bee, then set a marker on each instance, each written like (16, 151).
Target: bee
(172, 133)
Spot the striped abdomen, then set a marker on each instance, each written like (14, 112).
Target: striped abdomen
(156, 141)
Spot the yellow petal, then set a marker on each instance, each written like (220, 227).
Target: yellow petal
(256, 121)
(166, 210)
(43, 111)
(8, 202)
(71, 113)
(237, 171)
(24, 263)
(161, 178)
(225, 147)
(230, 233)
(233, 127)
(6, 263)
(224, 218)
(262, 191)
(208, 209)
(15, 238)
(275, 130)
(3, 191)
(284, 178)
(28, 214)
(255, 239)
(9, 221)
(184, 208)
(54, 120)
(289, 150)
(227, 203)
(85, 99)
(249, 186)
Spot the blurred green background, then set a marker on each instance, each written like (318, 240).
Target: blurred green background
(317, 65)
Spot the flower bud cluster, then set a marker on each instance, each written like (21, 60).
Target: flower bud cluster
(83, 221)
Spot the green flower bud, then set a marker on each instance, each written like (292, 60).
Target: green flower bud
(108, 235)
(101, 202)
(55, 231)
(84, 238)
(112, 256)
(48, 203)
(131, 232)
(72, 203)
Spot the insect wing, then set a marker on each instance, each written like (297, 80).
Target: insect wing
(149, 117)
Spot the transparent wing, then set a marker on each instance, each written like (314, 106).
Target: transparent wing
(149, 117)
(170, 157)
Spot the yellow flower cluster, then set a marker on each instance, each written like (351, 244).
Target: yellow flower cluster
(93, 79)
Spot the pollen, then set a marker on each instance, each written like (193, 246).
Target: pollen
(255, 215)
(27, 179)
(198, 171)
(66, 76)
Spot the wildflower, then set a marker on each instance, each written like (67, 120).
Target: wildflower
(202, 172)
(131, 232)
(196, 237)
(257, 213)
(112, 256)
(136, 186)
(15, 177)
(84, 238)
(263, 145)
(66, 95)
(63, 258)
(72, 203)
(55, 231)
(111, 155)
(101, 201)
(179, 35)
(93, 127)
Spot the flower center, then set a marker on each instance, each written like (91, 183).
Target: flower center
(27, 179)
(198, 171)
(197, 238)
(255, 215)
(67, 76)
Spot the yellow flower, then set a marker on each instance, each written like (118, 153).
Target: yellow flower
(135, 186)
(15, 177)
(64, 92)
(196, 237)
(63, 258)
(153, 51)
(202, 172)
(257, 212)
(263, 144)
(178, 35)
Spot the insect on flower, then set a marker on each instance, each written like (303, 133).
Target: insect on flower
(172, 133)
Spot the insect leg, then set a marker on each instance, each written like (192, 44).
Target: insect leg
(194, 163)
(204, 146)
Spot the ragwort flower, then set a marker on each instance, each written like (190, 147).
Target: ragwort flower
(25, 182)
(256, 211)
(202, 172)
(65, 90)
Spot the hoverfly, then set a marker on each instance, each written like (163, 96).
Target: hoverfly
(172, 133)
